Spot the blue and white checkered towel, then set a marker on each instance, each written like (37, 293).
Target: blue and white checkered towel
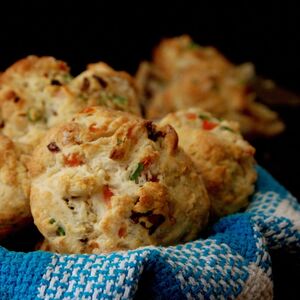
(233, 262)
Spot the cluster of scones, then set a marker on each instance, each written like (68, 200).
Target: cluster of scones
(95, 174)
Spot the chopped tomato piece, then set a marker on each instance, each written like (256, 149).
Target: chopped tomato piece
(63, 67)
(107, 193)
(208, 125)
(88, 110)
(73, 160)
(191, 116)
(93, 127)
(147, 161)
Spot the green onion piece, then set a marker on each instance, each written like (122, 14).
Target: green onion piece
(83, 97)
(204, 117)
(120, 100)
(60, 231)
(137, 172)
(102, 99)
(193, 45)
(227, 128)
(51, 221)
(67, 78)
(119, 141)
(34, 114)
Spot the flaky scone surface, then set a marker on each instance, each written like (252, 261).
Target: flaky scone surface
(223, 157)
(33, 98)
(101, 85)
(14, 189)
(109, 181)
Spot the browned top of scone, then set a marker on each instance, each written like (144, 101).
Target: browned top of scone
(102, 85)
(174, 55)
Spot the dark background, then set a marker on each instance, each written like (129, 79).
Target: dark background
(123, 34)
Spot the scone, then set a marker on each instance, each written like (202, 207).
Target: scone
(101, 85)
(223, 157)
(109, 181)
(14, 189)
(33, 98)
(184, 75)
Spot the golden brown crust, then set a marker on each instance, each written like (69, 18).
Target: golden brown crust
(33, 98)
(14, 187)
(101, 85)
(185, 75)
(172, 56)
(109, 181)
(224, 159)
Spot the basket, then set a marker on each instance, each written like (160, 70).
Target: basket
(233, 262)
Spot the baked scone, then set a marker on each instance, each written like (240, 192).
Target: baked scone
(14, 189)
(33, 98)
(184, 75)
(109, 181)
(223, 157)
(101, 85)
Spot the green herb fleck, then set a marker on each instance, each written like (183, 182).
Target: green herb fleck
(51, 221)
(34, 114)
(60, 231)
(119, 141)
(242, 81)
(102, 100)
(193, 45)
(227, 128)
(120, 100)
(67, 78)
(204, 117)
(83, 97)
(137, 172)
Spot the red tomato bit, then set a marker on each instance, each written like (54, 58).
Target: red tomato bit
(88, 110)
(73, 160)
(191, 116)
(107, 193)
(93, 127)
(208, 125)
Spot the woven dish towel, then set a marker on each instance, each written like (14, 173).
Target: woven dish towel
(232, 263)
